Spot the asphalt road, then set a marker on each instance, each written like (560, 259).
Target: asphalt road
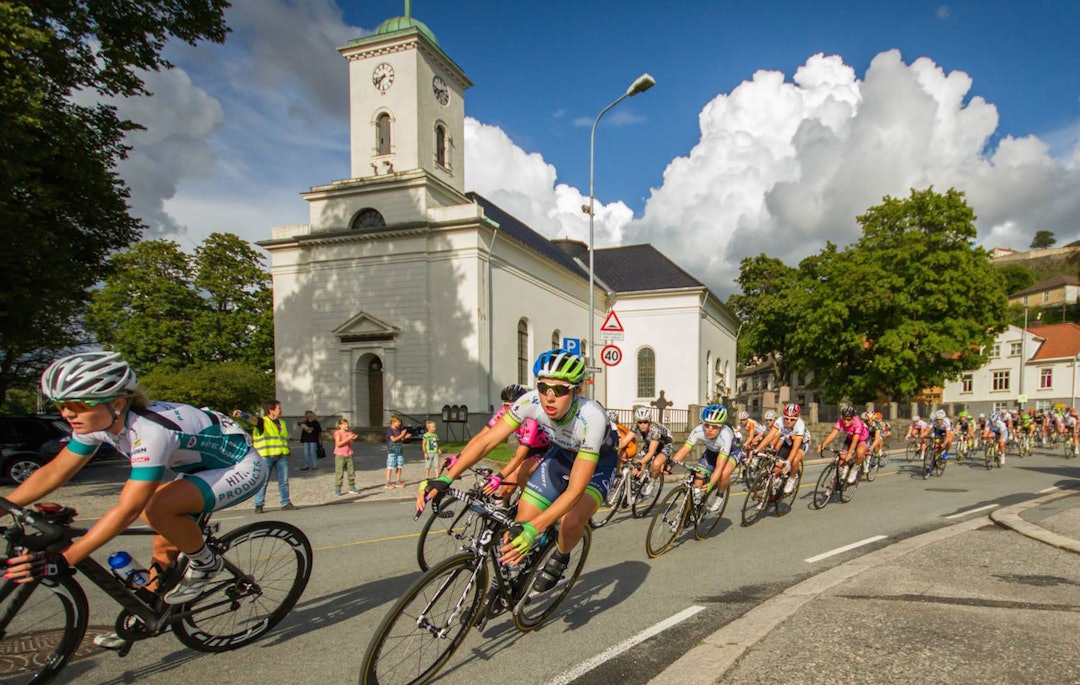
(365, 558)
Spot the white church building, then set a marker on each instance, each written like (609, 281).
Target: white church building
(404, 293)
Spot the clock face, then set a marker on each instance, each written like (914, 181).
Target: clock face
(442, 92)
(383, 77)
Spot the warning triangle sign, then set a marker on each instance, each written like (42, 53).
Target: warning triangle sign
(611, 324)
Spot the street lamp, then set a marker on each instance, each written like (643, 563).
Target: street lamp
(640, 85)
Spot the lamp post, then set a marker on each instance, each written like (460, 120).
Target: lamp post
(640, 85)
(1021, 399)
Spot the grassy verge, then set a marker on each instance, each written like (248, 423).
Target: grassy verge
(502, 454)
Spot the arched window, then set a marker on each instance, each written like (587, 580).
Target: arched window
(441, 144)
(382, 134)
(556, 339)
(523, 352)
(646, 372)
(367, 218)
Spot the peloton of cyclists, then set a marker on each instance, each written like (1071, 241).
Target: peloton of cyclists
(789, 435)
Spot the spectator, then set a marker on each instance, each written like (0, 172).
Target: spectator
(343, 458)
(310, 435)
(272, 443)
(395, 454)
(431, 450)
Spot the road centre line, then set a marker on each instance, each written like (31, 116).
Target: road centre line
(615, 650)
(970, 511)
(845, 548)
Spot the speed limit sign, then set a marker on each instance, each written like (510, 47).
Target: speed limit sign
(610, 355)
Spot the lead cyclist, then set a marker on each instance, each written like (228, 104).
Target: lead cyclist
(573, 478)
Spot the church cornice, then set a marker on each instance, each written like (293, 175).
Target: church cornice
(401, 41)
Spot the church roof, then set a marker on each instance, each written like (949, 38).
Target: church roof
(635, 268)
(401, 23)
(525, 235)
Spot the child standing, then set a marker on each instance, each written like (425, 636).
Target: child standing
(343, 458)
(431, 450)
(395, 454)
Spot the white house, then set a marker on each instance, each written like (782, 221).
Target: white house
(1035, 368)
(404, 293)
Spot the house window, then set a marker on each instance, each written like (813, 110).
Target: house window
(755, 383)
(996, 351)
(1000, 380)
(1001, 405)
(382, 134)
(965, 383)
(556, 339)
(1046, 378)
(523, 352)
(441, 156)
(1046, 296)
(646, 373)
(367, 218)
(1014, 349)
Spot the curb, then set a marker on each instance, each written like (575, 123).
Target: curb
(1009, 517)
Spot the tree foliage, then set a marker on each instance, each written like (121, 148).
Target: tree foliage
(1017, 277)
(910, 304)
(1043, 239)
(166, 311)
(63, 209)
(225, 386)
(769, 289)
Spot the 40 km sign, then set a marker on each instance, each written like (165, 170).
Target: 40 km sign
(610, 355)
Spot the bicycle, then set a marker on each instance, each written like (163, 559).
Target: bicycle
(872, 464)
(934, 464)
(1023, 445)
(991, 454)
(686, 505)
(756, 464)
(963, 448)
(768, 489)
(1069, 447)
(914, 449)
(430, 621)
(266, 568)
(832, 481)
(638, 493)
(451, 526)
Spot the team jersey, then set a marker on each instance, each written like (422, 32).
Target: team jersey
(789, 433)
(584, 430)
(855, 428)
(171, 437)
(919, 426)
(726, 442)
(939, 430)
(656, 432)
(528, 433)
(751, 427)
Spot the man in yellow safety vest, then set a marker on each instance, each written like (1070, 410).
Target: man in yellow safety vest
(272, 443)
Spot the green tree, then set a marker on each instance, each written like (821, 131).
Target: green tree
(238, 320)
(63, 209)
(1017, 277)
(1043, 239)
(148, 307)
(910, 304)
(225, 386)
(770, 290)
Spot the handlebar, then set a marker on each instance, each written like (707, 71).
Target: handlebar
(49, 533)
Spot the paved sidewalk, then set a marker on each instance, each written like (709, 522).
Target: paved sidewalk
(971, 603)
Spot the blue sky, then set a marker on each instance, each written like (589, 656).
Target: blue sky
(771, 126)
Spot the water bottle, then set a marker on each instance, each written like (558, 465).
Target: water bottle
(128, 570)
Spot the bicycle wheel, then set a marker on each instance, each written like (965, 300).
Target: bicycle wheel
(787, 499)
(826, 486)
(939, 465)
(535, 607)
(41, 626)
(445, 533)
(427, 625)
(667, 522)
(870, 467)
(274, 564)
(988, 455)
(648, 493)
(847, 490)
(912, 451)
(616, 499)
(712, 510)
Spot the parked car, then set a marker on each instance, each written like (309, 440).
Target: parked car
(24, 441)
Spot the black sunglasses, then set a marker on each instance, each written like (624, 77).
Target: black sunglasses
(559, 390)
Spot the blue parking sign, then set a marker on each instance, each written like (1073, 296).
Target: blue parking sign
(572, 345)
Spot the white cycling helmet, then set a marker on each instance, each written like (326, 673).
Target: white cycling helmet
(613, 416)
(88, 376)
(642, 414)
(939, 415)
(743, 415)
(770, 415)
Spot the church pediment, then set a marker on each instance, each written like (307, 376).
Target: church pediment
(364, 328)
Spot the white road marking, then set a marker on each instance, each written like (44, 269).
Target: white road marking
(1052, 488)
(615, 650)
(845, 548)
(970, 511)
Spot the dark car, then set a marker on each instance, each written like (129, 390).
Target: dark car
(23, 444)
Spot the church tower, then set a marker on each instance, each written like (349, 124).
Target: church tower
(407, 131)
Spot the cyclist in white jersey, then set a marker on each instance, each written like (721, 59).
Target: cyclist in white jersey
(184, 461)
(574, 476)
(720, 441)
